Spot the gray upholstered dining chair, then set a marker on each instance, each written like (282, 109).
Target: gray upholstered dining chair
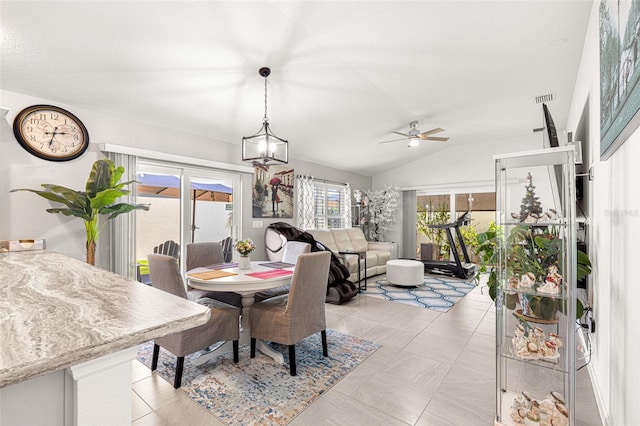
(289, 319)
(224, 323)
(205, 254)
(291, 251)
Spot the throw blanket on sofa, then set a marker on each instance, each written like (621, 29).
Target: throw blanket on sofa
(339, 288)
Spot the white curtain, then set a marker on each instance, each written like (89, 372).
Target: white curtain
(305, 201)
(123, 227)
(346, 205)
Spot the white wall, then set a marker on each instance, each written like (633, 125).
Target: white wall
(614, 232)
(23, 215)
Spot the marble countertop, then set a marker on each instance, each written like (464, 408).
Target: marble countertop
(56, 311)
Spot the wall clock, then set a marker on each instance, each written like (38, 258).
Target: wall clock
(50, 133)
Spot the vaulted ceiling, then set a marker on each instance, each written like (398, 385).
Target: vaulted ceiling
(345, 74)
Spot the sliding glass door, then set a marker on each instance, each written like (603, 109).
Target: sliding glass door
(210, 209)
(187, 204)
(433, 209)
(160, 226)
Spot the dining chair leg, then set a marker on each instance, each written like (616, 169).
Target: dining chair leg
(179, 366)
(154, 359)
(236, 350)
(325, 350)
(292, 359)
(253, 347)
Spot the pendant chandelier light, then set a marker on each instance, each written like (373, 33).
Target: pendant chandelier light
(265, 147)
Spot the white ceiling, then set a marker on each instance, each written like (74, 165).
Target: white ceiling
(345, 74)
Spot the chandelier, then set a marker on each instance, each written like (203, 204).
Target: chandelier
(265, 146)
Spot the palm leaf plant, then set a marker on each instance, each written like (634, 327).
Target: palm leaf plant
(98, 200)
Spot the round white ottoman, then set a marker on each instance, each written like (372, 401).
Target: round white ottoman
(405, 272)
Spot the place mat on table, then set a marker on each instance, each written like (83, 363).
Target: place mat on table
(210, 275)
(223, 265)
(270, 274)
(278, 265)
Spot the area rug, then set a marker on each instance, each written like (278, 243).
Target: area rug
(259, 391)
(439, 294)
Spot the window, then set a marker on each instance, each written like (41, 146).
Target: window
(330, 206)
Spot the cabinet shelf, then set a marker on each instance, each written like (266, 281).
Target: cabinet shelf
(518, 314)
(535, 224)
(561, 296)
(508, 399)
(551, 364)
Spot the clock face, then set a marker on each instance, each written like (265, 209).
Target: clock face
(50, 133)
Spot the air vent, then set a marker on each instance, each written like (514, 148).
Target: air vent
(545, 98)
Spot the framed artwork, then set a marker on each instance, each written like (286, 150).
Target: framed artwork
(619, 73)
(272, 191)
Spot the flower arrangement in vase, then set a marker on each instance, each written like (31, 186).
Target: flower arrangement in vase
(245, 248)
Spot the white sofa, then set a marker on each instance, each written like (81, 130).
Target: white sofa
(351, 239)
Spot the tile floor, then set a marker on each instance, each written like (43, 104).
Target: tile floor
(432, 369)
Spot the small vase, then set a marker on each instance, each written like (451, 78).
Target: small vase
(244, 263)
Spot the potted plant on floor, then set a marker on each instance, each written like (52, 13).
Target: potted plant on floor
(430, 215)
(98, 200)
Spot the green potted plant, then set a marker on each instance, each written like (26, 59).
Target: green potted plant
(487, 250)
(438, 237)
(531, 250)
(102, 189)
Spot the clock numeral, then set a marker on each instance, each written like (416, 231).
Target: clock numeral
(43, 117)
(34, 121)
(74, 129)
(29, 129)
(32, 138)
(55, 116)
(76, 136)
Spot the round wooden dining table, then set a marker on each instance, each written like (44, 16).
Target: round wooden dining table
(243, 282)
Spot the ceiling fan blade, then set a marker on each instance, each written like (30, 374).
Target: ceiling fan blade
(430, 132)
(402, 134)
(393, 140)
(435, 138)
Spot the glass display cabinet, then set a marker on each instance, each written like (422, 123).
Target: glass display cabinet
(536, 292)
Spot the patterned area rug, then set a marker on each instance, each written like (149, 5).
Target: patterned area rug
(259, 391)
(437, 293)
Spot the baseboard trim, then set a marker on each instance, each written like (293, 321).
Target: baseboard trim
(600, 401)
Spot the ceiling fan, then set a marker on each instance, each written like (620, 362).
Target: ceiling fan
(414, 136)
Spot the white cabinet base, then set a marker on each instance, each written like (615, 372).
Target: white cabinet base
(96, 392)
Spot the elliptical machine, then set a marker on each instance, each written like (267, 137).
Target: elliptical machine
(455, 268)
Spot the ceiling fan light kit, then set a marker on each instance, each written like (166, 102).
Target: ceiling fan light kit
(265, 146)
(414, 136)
